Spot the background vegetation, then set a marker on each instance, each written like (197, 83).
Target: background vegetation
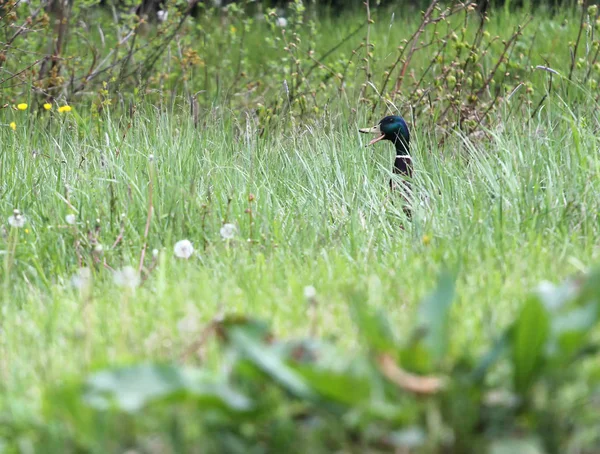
(171, 173)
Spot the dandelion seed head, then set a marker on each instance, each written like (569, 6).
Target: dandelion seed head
(281, 22)
(310, 292)
(183, 249)
(82, 278)
(99, 248)
(126, 277)
(162, 15)
(155, 253)
(151, 157)
(228, 231)
(71, 219)
(17, 220)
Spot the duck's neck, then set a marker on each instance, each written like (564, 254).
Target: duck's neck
(403, 161)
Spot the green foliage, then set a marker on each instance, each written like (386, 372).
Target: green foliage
(433, 318)
(448, 65)
(530, 335)
(251, 126)
(313, 390)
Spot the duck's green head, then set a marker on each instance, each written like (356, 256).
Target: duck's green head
(392, 128)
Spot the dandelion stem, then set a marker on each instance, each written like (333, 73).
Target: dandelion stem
(10, 258)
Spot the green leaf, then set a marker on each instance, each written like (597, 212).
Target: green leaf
(409, 438)
(269, 361)
(590, 290)
(491, 357)
(131, 388)
(374, 326)
(530, 333)
(344, 386)
(516, 445)
(571, 329)
(415, 357)
(258, 329)
(433, 316)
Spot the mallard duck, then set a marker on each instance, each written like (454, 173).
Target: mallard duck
(395, 129)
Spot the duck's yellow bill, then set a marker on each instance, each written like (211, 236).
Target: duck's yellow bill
(374, 130)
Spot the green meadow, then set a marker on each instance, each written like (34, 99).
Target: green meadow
(315, 225)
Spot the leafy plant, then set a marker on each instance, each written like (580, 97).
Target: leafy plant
(310, 394)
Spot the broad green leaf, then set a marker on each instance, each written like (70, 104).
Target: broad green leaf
(580, 319)
(374, 327)
(516, 446)
(570, 331)
(131, 388)
(258, 329)
(530, 333)
(491, 357)
(590, 290)
(433, 316)
(415, 357)
(409, 438)
(265, 358)
(341, 386)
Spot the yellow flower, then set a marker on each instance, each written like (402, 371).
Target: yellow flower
(47, 106)
(232, 29)
(426, 239)
(13, 126)
(64, 109)
(22, 106)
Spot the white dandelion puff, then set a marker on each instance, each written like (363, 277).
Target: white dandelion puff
(310, 292)
(228, 231)
(82, 278)
(71, 219)
(183, 249)
(155, 253)
(17, 220)
(126, 277)
(162, 15)
(281, 22)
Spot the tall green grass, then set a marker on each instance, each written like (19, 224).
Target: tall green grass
(311, 206)
(504, 213)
